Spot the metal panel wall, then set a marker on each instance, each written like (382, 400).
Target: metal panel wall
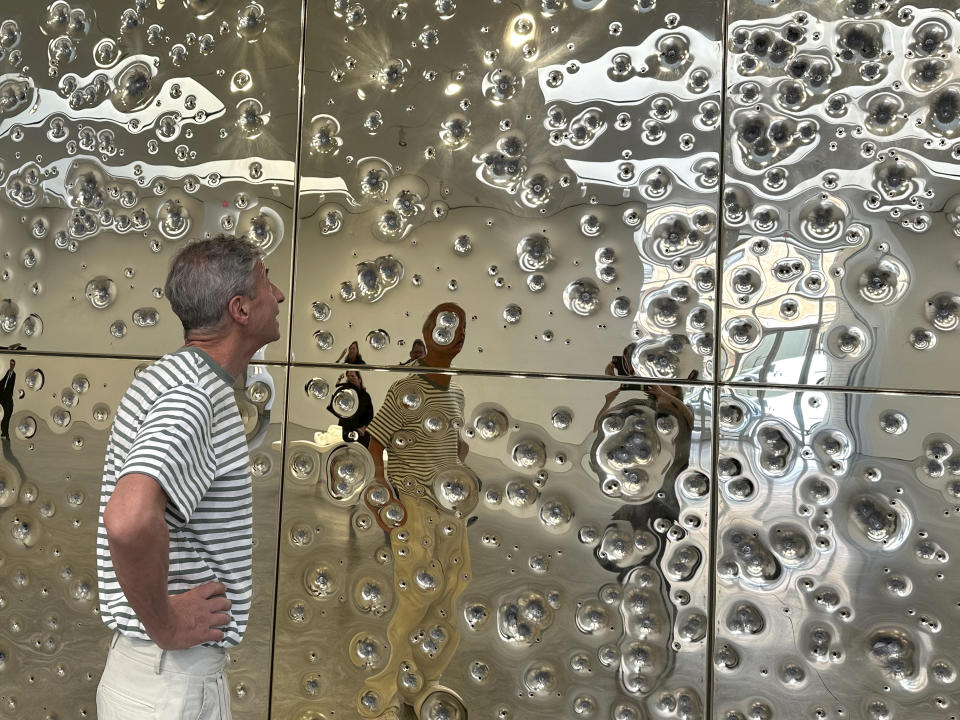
(747, 211)
(551, 166)
(840, 203)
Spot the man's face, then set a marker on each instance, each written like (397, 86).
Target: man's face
(265, 308)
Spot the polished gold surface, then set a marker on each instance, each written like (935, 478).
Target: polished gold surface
(126, 129)
(52, 642)
(553, 167)
(557, 568)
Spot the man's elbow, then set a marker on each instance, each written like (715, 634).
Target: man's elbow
(123, 526)
(119, 528)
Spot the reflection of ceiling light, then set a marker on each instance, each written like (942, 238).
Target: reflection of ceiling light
(453, 88)
(521, 30)
(361, 94)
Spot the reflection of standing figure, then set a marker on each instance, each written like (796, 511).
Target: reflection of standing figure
(417, 351)
(6, 398)
(423, 507)
(352, 355)
(641, 445)
(361, 413)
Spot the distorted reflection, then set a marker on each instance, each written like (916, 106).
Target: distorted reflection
(352, 355)
(352, 405)
(6, 398)
(641, 445)
(417, 351)
(421, 495)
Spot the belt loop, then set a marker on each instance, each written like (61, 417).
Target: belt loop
(158, 663)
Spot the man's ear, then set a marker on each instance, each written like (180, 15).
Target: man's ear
(239, 312)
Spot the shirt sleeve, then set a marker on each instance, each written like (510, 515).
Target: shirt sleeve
(174, 446)
(388, 419)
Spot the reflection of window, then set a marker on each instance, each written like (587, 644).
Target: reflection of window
(790, 355)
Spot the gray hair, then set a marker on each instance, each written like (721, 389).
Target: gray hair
(205, 274)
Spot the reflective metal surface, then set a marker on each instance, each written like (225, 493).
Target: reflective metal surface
(837, 536)
(840, 202)
(581, 533)
(551, 166)
(126, 129)
(588, 181)
(52, 642)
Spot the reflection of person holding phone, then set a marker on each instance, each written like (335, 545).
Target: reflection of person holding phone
(417, 351)
(642, 444)
(354, 424)
(420, 498)
(352, 355)
(669, 397)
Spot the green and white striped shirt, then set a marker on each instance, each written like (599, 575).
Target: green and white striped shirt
(179, 424)
(419, 425)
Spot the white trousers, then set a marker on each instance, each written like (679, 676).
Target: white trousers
(143, 682)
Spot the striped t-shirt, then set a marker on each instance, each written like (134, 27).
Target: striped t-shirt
(419, 425)
(178, 423)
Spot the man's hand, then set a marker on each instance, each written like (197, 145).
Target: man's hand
(140, 549)
(195, 617)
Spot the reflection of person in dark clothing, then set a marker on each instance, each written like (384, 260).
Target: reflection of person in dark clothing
(352, 356)
(417, 351)
(362, 411)
(642, 444)
(6, 398)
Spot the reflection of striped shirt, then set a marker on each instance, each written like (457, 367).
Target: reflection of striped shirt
(178, 423)
(419, 425)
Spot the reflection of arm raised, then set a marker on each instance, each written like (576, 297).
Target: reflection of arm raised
(376, 451)
(381, 496)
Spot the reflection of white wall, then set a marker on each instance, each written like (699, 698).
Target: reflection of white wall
(592, 84)
(260, 373)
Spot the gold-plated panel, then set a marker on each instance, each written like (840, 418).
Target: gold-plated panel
(126, 128)
(837, 591)
(552, 560)
(52, 642)
(841, 194)
(551, 166)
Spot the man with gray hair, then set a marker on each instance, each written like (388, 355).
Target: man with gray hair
(174, 541)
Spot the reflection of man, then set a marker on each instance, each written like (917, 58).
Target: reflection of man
(6, 399)
(176, 528)
(422, 506)
(642, 444)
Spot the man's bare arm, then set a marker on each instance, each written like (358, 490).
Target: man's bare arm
(140, 550)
